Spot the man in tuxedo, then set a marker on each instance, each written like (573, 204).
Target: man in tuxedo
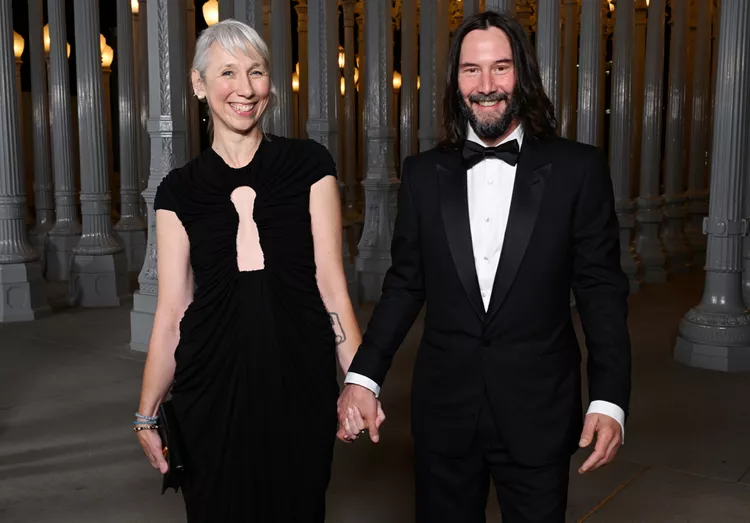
(494, 228)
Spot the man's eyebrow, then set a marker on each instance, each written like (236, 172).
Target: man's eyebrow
(501, 61)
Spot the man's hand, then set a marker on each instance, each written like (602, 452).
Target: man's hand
(608, 437)
(358, 410)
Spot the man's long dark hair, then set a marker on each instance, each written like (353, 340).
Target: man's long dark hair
(537, 114)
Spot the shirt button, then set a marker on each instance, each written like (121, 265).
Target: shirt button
(486, 258)
(484, 294)
(490, 181)
(487, 220)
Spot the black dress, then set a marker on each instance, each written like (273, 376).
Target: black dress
(255, 383)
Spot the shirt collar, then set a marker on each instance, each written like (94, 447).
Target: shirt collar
(517, 134)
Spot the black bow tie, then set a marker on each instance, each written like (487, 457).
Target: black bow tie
(474, 153)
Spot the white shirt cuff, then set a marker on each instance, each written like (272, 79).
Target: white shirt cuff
(611, 410)
(364, 381)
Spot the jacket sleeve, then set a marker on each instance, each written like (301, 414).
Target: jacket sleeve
(601, 288)
(402, 292)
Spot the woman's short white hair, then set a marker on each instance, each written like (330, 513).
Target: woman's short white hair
(236, 39)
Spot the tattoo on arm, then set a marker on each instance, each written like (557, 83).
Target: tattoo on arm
(338, 328)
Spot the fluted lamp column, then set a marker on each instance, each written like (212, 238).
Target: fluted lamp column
(501, 6)
(649, 212)
(432, 55)
(716, 13)
(380, 184)
(19, 44)
(639, 62)
(679, 253)
(548, 47)
(226, 9)
(166, 126)
(22, 296)
(281, 45)
(143, 102)
(137, 74)
(193, 110)
(43, 187)
(569, 100)
(470, 7)
(99, 264)
(250, 12)
(408, 109)
(359, 17)
(130, 229)
(66, 232)
(716, 333)
(590, 77)
(322, 123)
(620, 133)
(351, 209)
(687, 78)
(698, 151)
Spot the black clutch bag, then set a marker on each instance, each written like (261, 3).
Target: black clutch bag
(173, 447)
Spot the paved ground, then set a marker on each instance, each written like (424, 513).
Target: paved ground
(69, 386)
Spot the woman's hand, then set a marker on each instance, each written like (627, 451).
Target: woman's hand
(354, 424)
(152, 447)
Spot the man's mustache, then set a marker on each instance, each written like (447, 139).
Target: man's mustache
(491, 97)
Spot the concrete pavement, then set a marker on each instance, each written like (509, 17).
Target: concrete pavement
(69, 386)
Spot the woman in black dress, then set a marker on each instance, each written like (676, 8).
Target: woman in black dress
(253, 310)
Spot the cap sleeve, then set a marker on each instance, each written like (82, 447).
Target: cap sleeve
(165, 198)
(323, 163)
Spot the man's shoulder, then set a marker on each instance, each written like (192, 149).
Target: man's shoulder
(574, 150)
(428, 156)
(425, 162)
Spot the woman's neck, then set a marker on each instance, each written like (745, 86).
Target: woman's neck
(235, 149)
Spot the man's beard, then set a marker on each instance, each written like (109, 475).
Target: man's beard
(491, 129)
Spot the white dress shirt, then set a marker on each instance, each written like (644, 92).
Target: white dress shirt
(489, 191)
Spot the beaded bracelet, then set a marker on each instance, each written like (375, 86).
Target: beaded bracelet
(145, 427)
(138, 415)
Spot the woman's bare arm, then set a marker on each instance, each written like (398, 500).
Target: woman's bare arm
(174, 296)
(325, 213)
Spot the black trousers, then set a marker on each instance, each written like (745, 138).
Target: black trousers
(452, 489)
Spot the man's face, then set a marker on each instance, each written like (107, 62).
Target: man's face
(486, 81)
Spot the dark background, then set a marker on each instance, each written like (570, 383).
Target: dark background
(108, 27)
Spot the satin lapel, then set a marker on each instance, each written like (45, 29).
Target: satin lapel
(455, 211)
(528, 190)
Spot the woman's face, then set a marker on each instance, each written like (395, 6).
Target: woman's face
(236, 88)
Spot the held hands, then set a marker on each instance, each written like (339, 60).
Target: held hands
(608, 437)
(359, 410)
(151, 443)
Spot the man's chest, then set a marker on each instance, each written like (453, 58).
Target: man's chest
(489, 187)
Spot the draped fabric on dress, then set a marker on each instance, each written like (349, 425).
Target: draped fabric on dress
(255, 384)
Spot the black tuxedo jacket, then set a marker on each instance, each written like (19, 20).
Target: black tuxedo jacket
(523, 353)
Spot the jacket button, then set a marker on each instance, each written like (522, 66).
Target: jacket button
(486, 343)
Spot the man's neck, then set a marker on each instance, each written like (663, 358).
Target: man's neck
(493, 143)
